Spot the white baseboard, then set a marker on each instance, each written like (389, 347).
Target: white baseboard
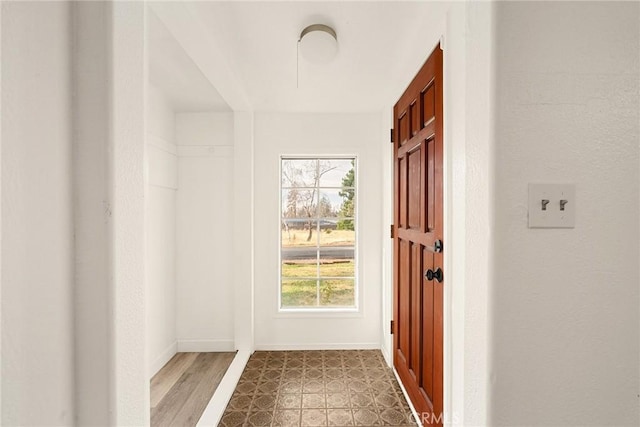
(164, 357)
(216, 406)
(205, 345)
(406, 397)
(386, 353)
(325, 346)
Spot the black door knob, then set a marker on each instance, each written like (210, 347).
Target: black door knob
(428, 274)
(438, 275)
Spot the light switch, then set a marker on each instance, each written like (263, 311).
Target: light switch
(552, 205)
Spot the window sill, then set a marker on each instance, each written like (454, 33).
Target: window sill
(302, 313)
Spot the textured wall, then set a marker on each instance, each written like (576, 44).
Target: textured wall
(565, 302)
(130, 385)
(37, 215)
(91, 213)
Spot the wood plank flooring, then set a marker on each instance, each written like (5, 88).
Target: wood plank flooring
(181, 390)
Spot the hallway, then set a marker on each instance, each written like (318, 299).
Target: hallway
(143, 209)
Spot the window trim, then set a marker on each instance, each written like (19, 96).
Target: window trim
(319, 311)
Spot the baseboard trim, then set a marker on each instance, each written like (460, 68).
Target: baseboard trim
(205, 345)
(164, 357)
(387, 355)
(216, 406)
(325, 346)
(406, 397)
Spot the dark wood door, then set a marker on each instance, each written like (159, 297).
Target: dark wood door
(418, 260)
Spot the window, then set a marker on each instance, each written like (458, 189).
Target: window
(318, 233)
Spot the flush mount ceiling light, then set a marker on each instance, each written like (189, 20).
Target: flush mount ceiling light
(318, 43)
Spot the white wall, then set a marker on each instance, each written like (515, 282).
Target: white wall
(91, 213)
(277, 134)
(471, 191)
(160, 240)
(243, 235)
(129, 377)
(37, 215)
(189, 237)
(205, 264)
(565, 301)
(0, 214)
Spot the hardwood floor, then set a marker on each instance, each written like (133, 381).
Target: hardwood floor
(181, 390)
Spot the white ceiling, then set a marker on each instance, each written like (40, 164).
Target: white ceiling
(176, 74)
(380, 44)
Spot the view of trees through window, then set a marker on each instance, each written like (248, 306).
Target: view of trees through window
(318, 234)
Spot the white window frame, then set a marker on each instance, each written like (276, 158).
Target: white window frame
(320, 310)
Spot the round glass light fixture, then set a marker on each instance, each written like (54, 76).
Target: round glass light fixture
(318, 43)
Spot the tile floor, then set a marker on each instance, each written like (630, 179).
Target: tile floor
(317, 388)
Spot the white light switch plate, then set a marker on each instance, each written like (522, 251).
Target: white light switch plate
(553, 216)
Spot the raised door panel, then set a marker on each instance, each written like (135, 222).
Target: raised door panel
(415, 187)
(426, 380)
(404, 301)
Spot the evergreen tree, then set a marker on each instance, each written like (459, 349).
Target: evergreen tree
(347, 193)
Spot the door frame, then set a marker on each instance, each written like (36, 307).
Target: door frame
(469, 119)
(453, 330)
